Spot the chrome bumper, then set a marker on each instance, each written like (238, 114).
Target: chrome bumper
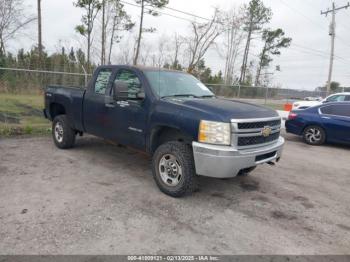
(226, 161)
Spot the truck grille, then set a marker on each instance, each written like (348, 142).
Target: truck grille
(250, 133)
(256, 140)
(254, 125)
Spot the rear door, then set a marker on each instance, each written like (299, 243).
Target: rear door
(94, 109)
(336, 120)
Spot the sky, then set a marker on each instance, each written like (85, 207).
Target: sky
(304, 65)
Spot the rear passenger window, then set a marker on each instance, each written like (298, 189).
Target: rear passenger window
(102, 81)
(337, 110)
(347, 98)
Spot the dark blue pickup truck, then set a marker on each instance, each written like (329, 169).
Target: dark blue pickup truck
(172, 116)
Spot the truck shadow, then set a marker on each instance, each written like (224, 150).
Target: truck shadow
(138, 165)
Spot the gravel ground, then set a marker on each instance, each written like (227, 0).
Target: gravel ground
(99, 198)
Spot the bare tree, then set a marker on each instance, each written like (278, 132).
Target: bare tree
(233, 38)
(121, 21)
(13, 19)
(91, 8)
(202, 38)
(178, 42)
(148, 6)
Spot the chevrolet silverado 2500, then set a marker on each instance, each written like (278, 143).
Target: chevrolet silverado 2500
(171, 115)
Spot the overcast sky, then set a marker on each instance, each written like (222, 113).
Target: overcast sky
(304, 65)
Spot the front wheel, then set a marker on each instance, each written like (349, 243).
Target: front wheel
(314, 135)
(173, 169)
(63, 135)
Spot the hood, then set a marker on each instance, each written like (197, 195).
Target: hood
(225, 109)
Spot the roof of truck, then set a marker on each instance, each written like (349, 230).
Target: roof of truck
(147, 68)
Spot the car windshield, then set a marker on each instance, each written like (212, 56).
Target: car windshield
(176, 84)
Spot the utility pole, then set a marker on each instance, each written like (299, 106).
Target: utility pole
(40, 44)
(103, 47)
(332, 34)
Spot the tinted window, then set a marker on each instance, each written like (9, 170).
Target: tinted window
(347, 98)
(338, 110)
(131, 79)
(102, 81)
(336, 98)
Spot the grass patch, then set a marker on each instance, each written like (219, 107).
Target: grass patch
(22, 115)
(275, 106)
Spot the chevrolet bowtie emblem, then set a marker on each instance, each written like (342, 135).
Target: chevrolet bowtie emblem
(266, 131)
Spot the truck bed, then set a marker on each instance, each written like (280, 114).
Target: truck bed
(71, 98)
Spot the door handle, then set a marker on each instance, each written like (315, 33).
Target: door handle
(326, 117)
(123, 103)
(110, 105)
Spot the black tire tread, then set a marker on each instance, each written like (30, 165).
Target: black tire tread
(185, 155)
(69, 134)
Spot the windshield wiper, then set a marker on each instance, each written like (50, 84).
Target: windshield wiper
(206, 96)
(181, 95)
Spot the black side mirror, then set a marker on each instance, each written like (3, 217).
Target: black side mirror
(141, 95)
(120, 90)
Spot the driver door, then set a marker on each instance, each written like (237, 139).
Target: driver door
(128, 116)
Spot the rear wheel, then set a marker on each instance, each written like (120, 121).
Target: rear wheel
(173, 169)
(314, 135)
(63, 135)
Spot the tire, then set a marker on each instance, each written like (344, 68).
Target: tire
(246, 171)
(314, 135)
(173, 169)
(63, 135)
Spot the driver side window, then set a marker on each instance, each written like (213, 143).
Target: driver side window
(132, 81)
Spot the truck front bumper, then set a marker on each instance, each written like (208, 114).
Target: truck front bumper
(226, 161)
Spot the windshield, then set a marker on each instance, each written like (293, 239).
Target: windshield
(169, 84)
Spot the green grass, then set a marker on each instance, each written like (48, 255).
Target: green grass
(275, 106)
(22, 114)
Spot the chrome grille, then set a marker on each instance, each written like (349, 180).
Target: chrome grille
(248, 133)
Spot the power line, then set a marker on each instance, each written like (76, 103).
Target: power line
(167, 14)
(175, 10)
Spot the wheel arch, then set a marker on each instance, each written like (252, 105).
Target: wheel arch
(162, 134)
(57, 109)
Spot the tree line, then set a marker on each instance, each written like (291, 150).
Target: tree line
(111, 35)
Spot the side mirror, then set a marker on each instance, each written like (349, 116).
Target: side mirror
(141, 95)
(120, 90)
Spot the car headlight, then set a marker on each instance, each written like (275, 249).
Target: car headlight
(218, 133)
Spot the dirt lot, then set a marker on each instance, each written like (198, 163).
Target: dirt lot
(99, 198)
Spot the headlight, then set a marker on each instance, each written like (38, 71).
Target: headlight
(214, 133)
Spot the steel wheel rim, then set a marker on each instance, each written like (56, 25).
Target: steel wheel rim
(59, 132)
(313, 135)
(170, 170)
